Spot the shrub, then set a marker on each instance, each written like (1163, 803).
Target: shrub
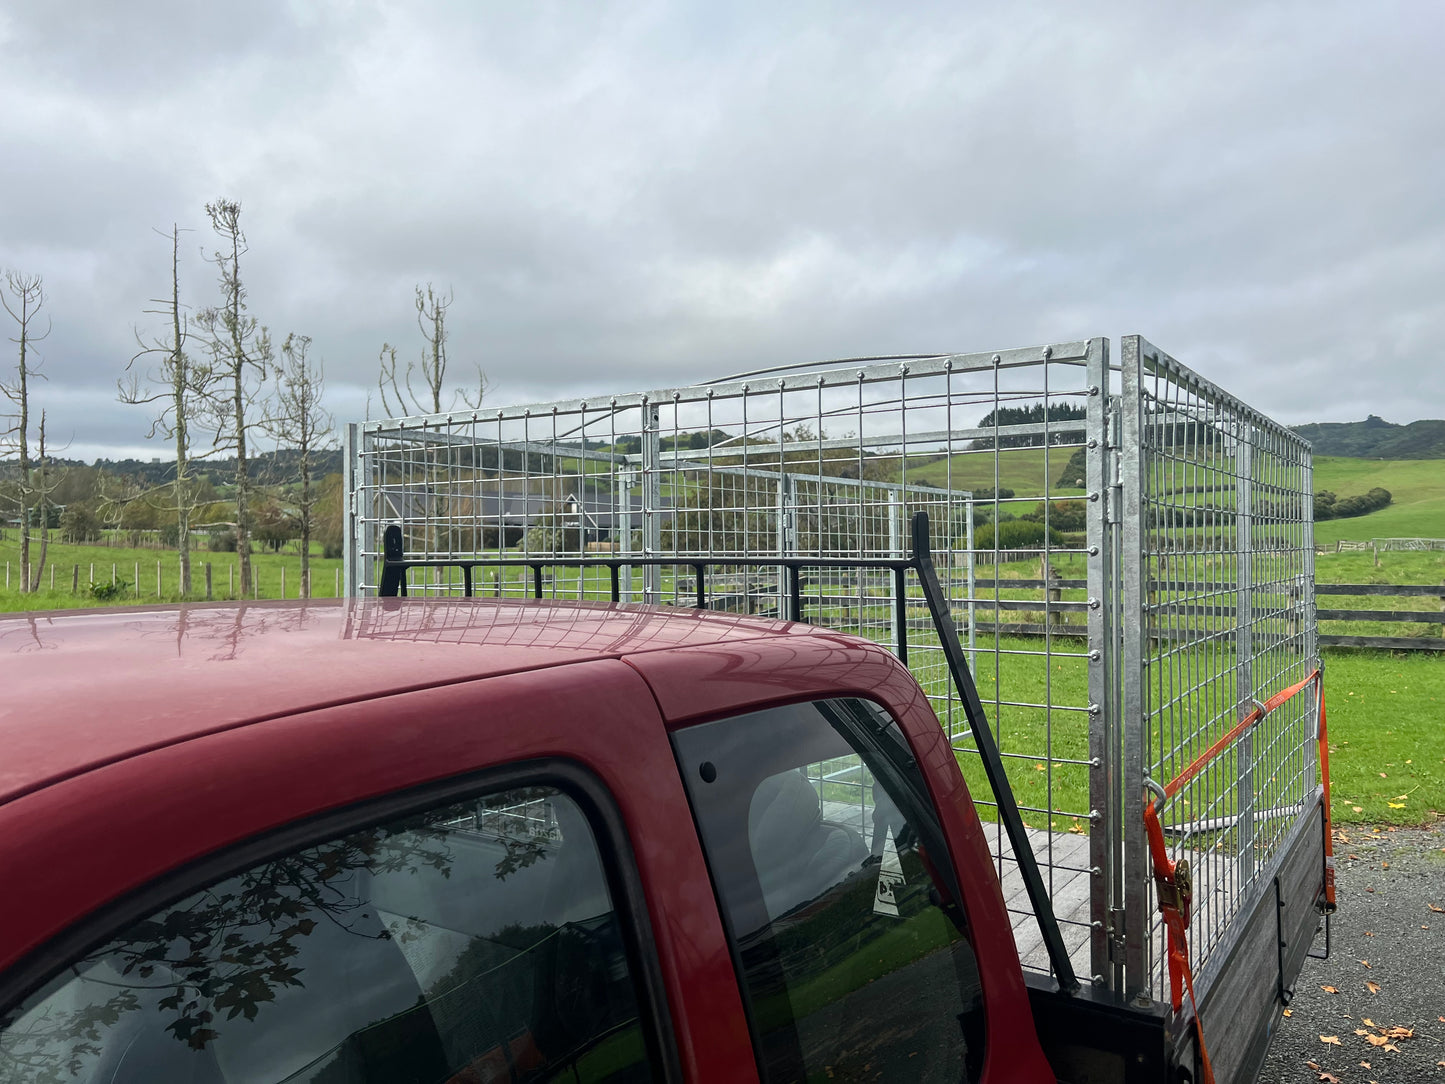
(222, 542)
(79, 524)
(1328, 506)
(1063, 515)
(109, 592)
(1017, 535)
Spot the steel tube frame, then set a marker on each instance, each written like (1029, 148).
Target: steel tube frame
(1149, 425)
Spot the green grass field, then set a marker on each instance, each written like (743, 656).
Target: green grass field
(1029, 472)
(138, 569)
(1387, 754)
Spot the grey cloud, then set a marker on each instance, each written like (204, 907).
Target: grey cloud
(627, 196)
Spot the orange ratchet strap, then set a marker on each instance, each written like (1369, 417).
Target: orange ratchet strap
(1173, 885)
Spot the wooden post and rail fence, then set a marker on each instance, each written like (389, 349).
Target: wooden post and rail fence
(1066, 618)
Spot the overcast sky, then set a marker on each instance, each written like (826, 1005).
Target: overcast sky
(629, 196)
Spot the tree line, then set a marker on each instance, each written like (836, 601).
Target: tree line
(217, 387)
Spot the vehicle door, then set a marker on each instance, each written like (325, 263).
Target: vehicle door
(866, 925)
(482, 882)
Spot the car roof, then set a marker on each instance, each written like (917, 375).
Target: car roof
(87, 688)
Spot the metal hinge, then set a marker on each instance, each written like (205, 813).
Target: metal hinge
(1113, 503)
(1116, 934)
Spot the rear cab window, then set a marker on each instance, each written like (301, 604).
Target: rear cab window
(479, 939)
(838, 894)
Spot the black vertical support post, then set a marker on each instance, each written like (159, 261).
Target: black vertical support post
(616, 586)
(393, 573)
(536, 581)
(900, 611)
(467, 581)
(1008, 810)
(701, 586)
(795, 592)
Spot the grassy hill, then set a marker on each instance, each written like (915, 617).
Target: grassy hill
(1376, 438)
(1417, 486)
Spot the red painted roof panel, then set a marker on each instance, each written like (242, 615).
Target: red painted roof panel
(86, 688)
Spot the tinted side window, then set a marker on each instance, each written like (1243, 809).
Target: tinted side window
(838, 893)
(476, 942)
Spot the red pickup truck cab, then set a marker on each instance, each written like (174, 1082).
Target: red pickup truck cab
(477, 840)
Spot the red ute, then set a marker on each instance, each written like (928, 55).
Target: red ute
(471, 841)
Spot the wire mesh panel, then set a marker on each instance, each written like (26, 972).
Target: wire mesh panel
(1219, 586)
(808, 461)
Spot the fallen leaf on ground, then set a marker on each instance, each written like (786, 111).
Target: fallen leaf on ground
(1400, 1033)
(1375, 1040)
(1329, 989)
(1331, 1040)
(1437, 910)
(1366, 963)
(1364, 1065)
(1311, 1065)
(1329, 1078)
(1289, 1012)
(1373, 987)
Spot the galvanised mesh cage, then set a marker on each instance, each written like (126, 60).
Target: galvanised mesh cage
(1220, 501)
(1038, 523)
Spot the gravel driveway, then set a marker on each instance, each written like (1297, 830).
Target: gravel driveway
(1385, 933)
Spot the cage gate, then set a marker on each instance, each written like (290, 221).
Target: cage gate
(1126, 550)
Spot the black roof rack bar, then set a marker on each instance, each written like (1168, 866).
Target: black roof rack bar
(393, 584)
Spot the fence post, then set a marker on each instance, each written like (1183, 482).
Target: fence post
(1244, 640)
(1053, 594)
(75, 581)
(1106, 835)
(283, 582)
(895, 549)
(651, 501)
(208, 581)
(787, 541)
(1134, 717)
(158, 580)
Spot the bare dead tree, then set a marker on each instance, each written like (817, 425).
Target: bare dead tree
(177, 385)
(301, 423)
(42, 503)
(399, 394)
(240, 349)
(23, 297)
